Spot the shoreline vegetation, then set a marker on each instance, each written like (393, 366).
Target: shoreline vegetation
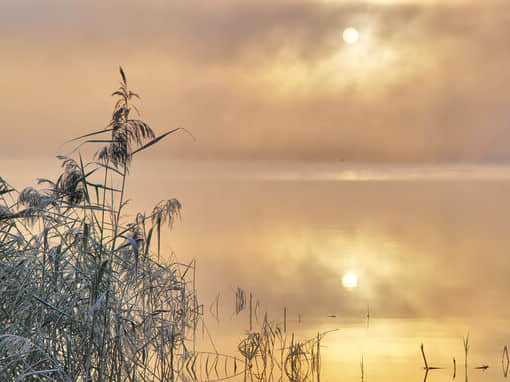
(84, 295)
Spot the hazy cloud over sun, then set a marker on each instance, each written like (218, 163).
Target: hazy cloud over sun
(264, 79)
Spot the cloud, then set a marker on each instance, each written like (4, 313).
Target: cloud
(267, 80)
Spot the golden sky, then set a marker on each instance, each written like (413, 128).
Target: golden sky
(263, 79)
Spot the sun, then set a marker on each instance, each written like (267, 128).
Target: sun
(350, 280)
(350, 35)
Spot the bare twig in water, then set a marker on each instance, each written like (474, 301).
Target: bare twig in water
(465, 341)
(362, 366)
(505, 361)
(427, 367)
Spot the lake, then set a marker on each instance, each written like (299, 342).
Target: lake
(428, 244)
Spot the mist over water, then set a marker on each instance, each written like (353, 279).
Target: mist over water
(429, 245)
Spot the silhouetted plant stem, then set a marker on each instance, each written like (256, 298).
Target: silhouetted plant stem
(424, 358)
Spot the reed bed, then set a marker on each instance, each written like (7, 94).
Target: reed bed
(270, 354)
(83, 295)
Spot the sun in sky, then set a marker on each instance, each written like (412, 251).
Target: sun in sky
(350, 280)
(350, 35)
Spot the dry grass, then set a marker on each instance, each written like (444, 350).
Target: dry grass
(269, 355)
(82, 295)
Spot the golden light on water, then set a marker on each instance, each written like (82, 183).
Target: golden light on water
(350, 280)
(350, 35)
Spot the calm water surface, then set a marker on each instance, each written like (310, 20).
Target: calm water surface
(391, 349)
(429, 244)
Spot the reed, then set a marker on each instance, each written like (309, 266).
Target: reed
(426, 365)
(269, 355)
(465, 341)
(285, 319)
(83, 295)
(505, 361)
(362, 367)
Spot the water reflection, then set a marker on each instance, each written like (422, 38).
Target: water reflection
(505, 362)
(389, 351)
(429, 376)
(429, 245)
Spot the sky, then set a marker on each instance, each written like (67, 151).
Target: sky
(264, 79)
(311, 157)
